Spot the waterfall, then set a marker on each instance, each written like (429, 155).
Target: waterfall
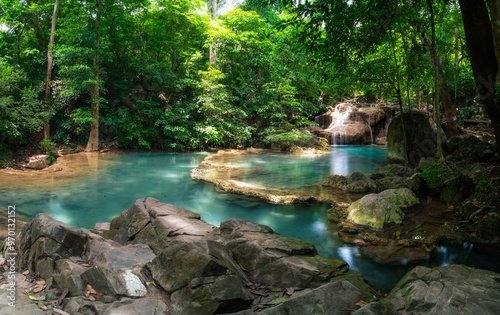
(369, 127)
(341, 118)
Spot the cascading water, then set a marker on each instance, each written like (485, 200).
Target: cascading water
(341, 118)
(369, 127)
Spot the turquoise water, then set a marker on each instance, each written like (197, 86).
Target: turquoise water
(283, 170)
(111, 188)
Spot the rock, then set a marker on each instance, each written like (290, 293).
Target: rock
(102, 226)
(337, 297)
(145, 306)
(211, 276)
(421, 138)
(23, 305)
(82, 305)
(356, 182)
(392, 170)
(46, 238)
(37, 162)
(390, 182)
(454, 289)
(119, 270)
(271, 259)
(375, 212)
(67, 275)
(404, 198)
(157, 224)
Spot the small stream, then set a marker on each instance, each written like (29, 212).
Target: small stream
(111, 185)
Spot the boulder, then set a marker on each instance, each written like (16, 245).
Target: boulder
(37, 162)
(392, 170)
(157, 224)
(390, 182)
(146, 306)
(356, 182)
(454, 289)
(119, 270)
(271, 259)
(404, 198)
(375, 212)
(201, 271)
(337, 297)
(420, 136)
(45, 238)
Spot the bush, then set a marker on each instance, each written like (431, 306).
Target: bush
(49, 148)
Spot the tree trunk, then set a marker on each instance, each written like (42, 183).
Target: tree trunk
(46, 126)
(481, 46)
(436, 81)
(213, 15)
(452, 127)
(93, 143)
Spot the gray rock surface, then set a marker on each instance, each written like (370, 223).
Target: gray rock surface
(448, 290)
(271, 259)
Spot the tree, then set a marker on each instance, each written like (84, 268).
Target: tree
(46, 128)
(93, 143)
(482, 35)
(212, 5)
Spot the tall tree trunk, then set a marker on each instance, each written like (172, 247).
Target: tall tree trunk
(452, 127)
(213, 15)
(398, 91)
(480, 39)
(93, 143)
(436, 81)
(46, 126)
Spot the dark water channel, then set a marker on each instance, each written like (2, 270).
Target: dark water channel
(111, 187)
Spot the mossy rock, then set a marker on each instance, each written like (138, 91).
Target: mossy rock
(420, 138)
(392, 170)
(404, 198)
(390, 182)
(356, 182)
(435, 174)
(375, 212)
(450, 194)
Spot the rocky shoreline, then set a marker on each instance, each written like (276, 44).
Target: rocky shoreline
(157, 258)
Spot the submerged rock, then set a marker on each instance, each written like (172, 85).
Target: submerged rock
(375, 212)
(454, 289)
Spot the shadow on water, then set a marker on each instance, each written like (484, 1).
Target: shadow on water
(98, 188)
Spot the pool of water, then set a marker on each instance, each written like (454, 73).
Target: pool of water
(277, 170)
(112, 186)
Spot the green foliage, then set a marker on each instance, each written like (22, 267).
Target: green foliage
(435, 174)
(286, 140)
(49, 148)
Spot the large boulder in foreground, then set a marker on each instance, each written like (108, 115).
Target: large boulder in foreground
(271, 259)
(374, 212)
(448, 290)
(420, 138)
(158, 225)
(337, 297)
